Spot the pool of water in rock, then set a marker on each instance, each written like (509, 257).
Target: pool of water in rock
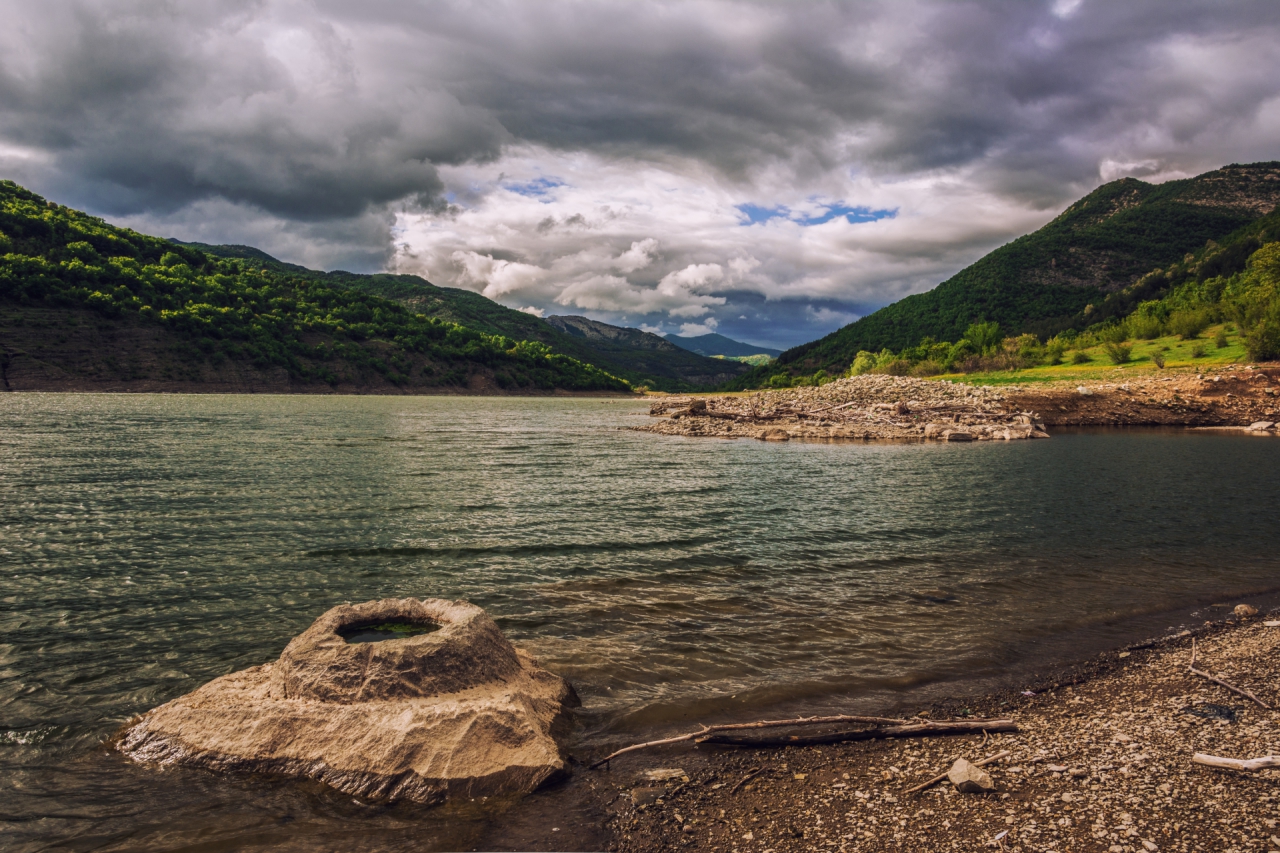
(150, 543)
(385, 631)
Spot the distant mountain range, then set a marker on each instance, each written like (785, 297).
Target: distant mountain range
(636, 356)
(1078, 270)
(718, 345)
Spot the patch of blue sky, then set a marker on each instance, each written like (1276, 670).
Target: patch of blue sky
(755, 214)
(538, 188)
(853, 215)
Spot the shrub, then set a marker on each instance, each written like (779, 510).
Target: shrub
(985, 337)
(864, 363)
(895, 367)
(1144, 327)
(1188, 324)
(962, 350)
(1198, 351)
(1220, 340)
(1117, 353)
(1157, 358)
(928, 367)
(1054, 350)
(1116, 334)
(1080, 357)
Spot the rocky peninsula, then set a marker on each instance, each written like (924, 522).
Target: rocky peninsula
(880, 407)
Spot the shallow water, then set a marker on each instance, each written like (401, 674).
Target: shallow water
(149, 543)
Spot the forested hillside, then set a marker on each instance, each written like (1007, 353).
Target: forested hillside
(84, 303)
(627, 353)
(1064, 276)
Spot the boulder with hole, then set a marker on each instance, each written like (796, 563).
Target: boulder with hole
(449, 710)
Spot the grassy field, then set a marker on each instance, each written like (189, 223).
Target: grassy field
(1178, 355)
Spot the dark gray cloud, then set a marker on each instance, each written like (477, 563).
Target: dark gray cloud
(386, 133)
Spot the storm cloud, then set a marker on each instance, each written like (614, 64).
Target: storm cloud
(769, 171)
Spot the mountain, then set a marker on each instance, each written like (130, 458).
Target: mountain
(85, 305)
(1060, 276)
(713, 345)
(626, 353)
(644, 353)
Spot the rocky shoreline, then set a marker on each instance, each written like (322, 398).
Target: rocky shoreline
(1102, 762)
(877, 407)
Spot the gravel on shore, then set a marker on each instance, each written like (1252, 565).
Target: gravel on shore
(1101, 764)
(898, 408)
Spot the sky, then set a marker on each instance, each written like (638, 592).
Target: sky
(770, 171)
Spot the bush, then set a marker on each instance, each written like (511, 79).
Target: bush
(1144, 327)
(895, 367)
(864, 363)
(1080, 357)
(1117, 353)
(985, 337)
(928, 367)
(1188, 324)
(1157, 358)
(1054, 350)
(1116, 334)
(1220, 340)
(1198, 351)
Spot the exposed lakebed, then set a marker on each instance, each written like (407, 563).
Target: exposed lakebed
(151, 543)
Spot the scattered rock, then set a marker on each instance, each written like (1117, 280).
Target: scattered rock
(457, 712)
(860, 407)
(1262, 426)
(956, 435)
(1244, 611)
(646, 796)
(664, 774)
(969, 778)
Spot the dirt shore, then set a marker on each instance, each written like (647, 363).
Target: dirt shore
(1102, 762)
(876, 407)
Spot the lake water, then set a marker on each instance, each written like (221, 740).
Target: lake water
(151, 543)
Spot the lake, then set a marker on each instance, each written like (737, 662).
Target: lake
(150, 543)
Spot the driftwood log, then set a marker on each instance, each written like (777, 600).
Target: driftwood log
(1249, 765)
(922, 730)
(928, 729)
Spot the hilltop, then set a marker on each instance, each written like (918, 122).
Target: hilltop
(86, 305)
(633, 355)
(1092, 262)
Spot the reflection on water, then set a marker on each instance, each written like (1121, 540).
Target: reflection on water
(150, 543)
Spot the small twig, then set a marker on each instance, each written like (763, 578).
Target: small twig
(763, 724)
(936, 779)
(1248, 765)
(754, 773)
(1238, 691)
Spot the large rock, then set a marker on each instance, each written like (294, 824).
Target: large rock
(458, 712)
(969, 778)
